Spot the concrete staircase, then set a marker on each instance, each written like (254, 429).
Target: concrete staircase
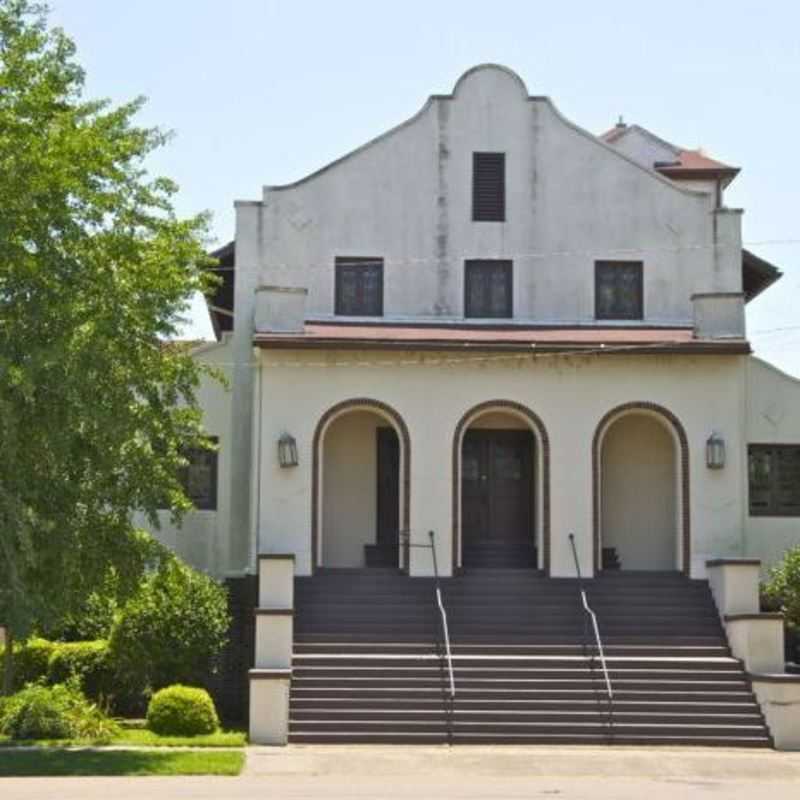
(367, 664)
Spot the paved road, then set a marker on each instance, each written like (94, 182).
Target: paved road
(504, 773)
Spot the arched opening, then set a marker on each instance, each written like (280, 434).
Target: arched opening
(361, 470)
(501, 495)
(640, 493)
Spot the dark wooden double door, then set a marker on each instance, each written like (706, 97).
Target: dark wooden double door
(386, 550)
(497, 509)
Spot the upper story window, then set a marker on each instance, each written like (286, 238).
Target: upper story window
(618, 292)
(359, 287)
(489, 187)
(488, 286)
(774, 480)
(199, 477)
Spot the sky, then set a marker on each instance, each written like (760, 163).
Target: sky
(264, 92)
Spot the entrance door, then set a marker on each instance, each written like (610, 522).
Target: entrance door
(385, 551)
(497, 499)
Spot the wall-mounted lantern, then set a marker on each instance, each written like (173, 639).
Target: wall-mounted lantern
(715, 451)
(287, 451)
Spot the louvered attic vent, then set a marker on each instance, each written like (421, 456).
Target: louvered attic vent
(489, 187)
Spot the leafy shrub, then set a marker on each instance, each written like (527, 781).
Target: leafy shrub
(172, 630)
(87, 662)
(782, 593)
(783, 585)
(54, 712)
(182, 711)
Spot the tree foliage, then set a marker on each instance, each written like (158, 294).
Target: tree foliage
(96, 271)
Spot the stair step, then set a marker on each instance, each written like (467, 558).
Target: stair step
(368, 667)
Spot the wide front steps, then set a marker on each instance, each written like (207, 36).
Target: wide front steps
(367, 665)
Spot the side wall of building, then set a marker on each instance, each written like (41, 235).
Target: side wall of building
(202, 539)
(773, 417)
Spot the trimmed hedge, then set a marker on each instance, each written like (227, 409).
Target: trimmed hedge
(182, 711)
(31, 659)
(87, 662)
(41, 661)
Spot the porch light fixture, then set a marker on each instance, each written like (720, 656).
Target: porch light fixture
(715, 451)
(287, 451)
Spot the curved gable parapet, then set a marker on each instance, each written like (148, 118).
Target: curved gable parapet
(358, 150)
(656, 176)
(481, 73)
(481, 81)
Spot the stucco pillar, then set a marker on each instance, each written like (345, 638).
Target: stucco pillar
(241, 531)
(757, 639)
(779, 698)
(734, 584)
(271, 677)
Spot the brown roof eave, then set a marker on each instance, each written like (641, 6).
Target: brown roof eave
(757, 275)
(684, 174)
(719, 347)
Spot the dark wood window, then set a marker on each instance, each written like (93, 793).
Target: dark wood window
(359, 287)
(774, 480)
(488, 288)
(618, 291)
(489, 187)
(199, 477)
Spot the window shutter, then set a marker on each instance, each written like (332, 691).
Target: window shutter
(488, 288)
(489, 187)
(359, 287)
(618, 290)
(774, 480)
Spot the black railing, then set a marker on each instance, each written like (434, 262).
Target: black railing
(446, 653)
(591, 617)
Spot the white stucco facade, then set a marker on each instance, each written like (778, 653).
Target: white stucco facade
(571, 199)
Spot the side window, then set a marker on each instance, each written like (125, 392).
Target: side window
(488, 187)
(774, 472)
(488, 287)
(199, 477)
(359, 287)
(618, 290)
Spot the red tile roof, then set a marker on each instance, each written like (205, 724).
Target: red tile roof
(411, 337)
(695, 161)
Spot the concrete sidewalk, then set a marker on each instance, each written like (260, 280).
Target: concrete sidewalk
(420, 772)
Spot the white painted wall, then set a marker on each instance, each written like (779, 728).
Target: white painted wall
(772, 417)
(406, 197)
(349, 485)
(638, 479)
(570, 394)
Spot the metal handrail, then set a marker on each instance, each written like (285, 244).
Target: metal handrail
(443, 614)
(593, 617)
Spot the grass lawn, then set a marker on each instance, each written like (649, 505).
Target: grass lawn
(53, 761)
(140, 737)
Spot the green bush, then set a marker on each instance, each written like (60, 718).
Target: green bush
(172, 630)
(89, 663)
(182, 711)
(781, 592)
(54, 712)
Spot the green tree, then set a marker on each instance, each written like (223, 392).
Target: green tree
(96, 272)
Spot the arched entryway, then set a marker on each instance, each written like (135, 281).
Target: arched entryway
(641, 501)
(501, 488)
(360, 492)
